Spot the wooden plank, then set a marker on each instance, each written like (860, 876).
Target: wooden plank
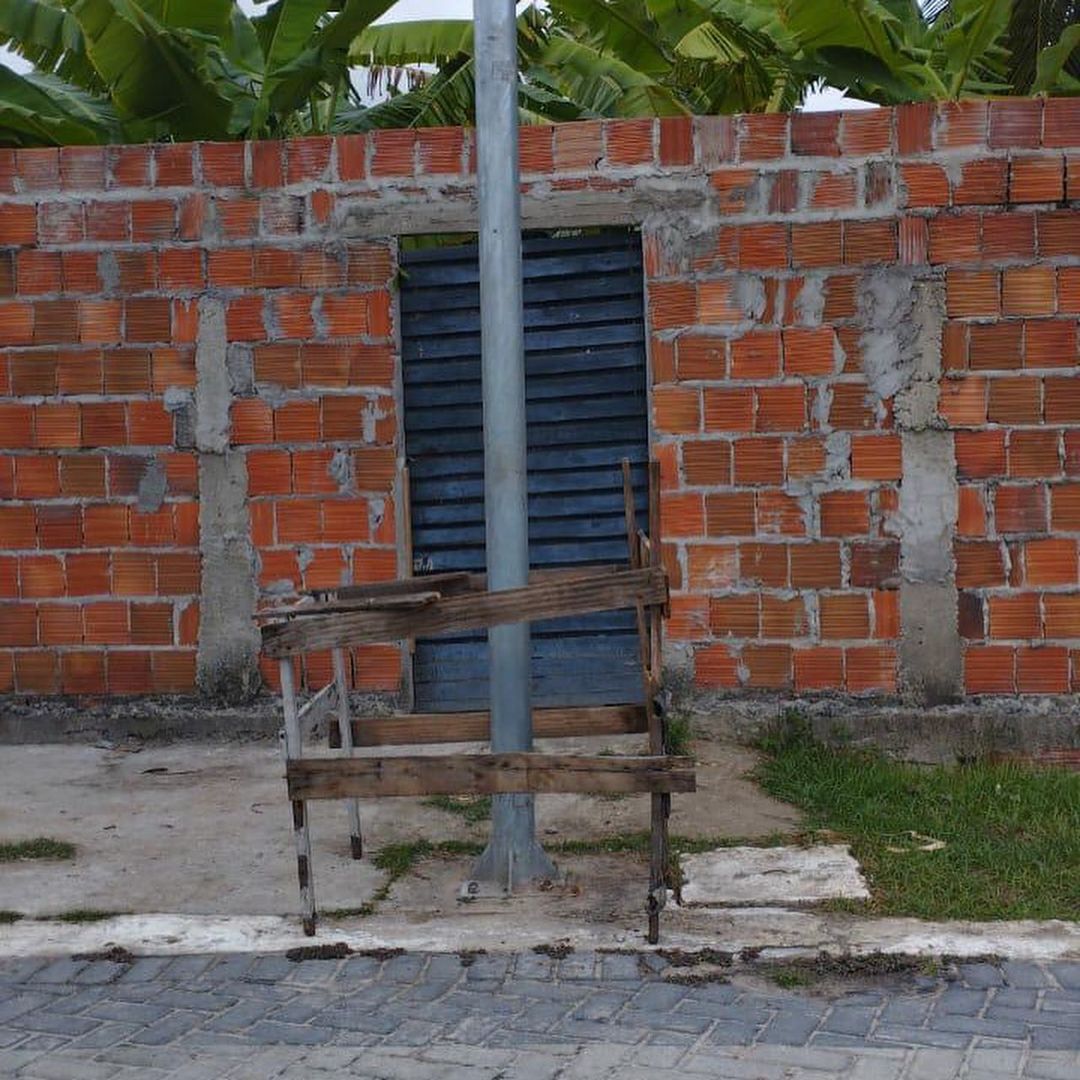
(455, 581)
(363, 603)
(317, 703)
(344, 729)
(301, 832)
(486, 774)
(421, 728)
(548, 600)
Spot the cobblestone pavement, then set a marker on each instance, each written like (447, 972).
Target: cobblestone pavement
(585, 1015)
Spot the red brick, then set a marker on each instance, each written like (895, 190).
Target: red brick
(845, 513)
(819, 668)
(1062, 613)
(764, 564)
(924, 184)
(866, 131)
(913, 241)
(815, 134)
(1065, 508)
(914, 127)
(815, 565)
(1020, 509)
(1029, 290)
(852, 407)
(1015, 401)
(99, 321)
(769, 666)
(676, 141)
(868, 242)
(629, 142)
(970, 616)
(734, 615)
(980, 454)
(781, 408)
(995, 345)
(809, 351)
(392, 152)
(730, 513)
(971, 512)
(706, 463)
(759, 460)
(1042, 670)
(728, 409)
(1050, 562)
(955, 238)
(60, 624)
(41, 576)
(716, 666)
(252, 421)
(38, 272)
(817, 244)
(875, 457)
(1015, 616)
(870, 668)
(36, 672)
(37, 477)
(106, 622)
(699, 357)
(151, 424)
(982, 183)
(961, 123)
(963, 401)
(82, 168)
(1037, 179)
(173, 670)
(1034, 454)
(778, 514)
(18, 224)
(844, 616)
(874, 565)
(762, 136)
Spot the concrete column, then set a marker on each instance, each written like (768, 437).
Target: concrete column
(227, 668)
(931, 660)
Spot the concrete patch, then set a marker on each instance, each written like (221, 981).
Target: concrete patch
(770, 876)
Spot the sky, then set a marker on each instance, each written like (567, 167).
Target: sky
(462, 9)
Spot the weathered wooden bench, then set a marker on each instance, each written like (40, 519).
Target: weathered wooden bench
(413, 607)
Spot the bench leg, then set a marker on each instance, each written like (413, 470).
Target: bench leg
(341, 684)
(301, 832)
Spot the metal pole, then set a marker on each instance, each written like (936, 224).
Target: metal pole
(512, 856)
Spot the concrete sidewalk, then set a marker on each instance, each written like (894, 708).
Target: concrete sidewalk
(583, 1015)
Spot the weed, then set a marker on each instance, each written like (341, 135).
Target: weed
(42, 847)
(9, 917)
(789, 978)
(557, 951)
(81, 915)
(332, 950)
(679, 735)
(115, 954)
(472, 808)
(361, 912)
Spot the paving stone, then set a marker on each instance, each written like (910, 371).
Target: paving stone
(104, 1035)
(790, 1028)
(444, 967)
(669, 1021)
(271, 969)
(732, 1033)
(530, 965)
(146, 968)
(100, 971)
(615, 968)
(201, 1001)
(1015, 998)
(920, 1036)
(981, 975)
(849, 1020)
(21, 970)
(60, 971)
(958, 1002)
(975, 1025)
(54, 1024)
(578, 966)
(602, 1005)
(21, 1003)
(312, 972)
(166, 1030)
(911, 1011)
(660, 996)
(1024, 974)
(358, 969)
(998, 1060)
(1067, 975)
(128, 1011)
(69, 1068)
(1055, 1038)
(241, 1015)
(928, 1064)
(597, 1031)
(269, 1031)
(1044, 1066)
(186, 969)
(403, 969)
(494, 967)
(413, 1033)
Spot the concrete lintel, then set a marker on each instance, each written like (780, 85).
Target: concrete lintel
(454, 209)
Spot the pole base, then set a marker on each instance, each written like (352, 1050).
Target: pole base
(513, 857)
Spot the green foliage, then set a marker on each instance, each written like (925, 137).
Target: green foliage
(136, 70)
(471, 808)
(979, 841)
(42, 847)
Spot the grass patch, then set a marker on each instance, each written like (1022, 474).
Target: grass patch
(81, 915)
(42, 847)
(1010, 835)
(9, 917)
(471, 808)
(679, 735)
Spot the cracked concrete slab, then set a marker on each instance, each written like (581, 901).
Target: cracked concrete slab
(772, 876)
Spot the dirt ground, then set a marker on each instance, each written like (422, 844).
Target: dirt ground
(205, 829)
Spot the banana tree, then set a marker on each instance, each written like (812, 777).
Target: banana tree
(130, 70)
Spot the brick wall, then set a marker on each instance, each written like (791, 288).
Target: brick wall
(856, 322)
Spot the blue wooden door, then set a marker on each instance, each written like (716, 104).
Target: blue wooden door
(586, 405)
